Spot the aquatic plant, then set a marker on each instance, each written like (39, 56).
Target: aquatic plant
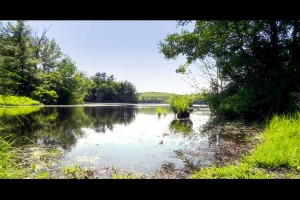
(161, 110)
(182, 106)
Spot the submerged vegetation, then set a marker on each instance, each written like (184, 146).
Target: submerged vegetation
(34, 162)
(277, 150)
(10, 100)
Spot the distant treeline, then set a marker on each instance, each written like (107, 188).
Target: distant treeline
(163, 97)
(106, 89)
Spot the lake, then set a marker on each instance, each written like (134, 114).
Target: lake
(126, 136)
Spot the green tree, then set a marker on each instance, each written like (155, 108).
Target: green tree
(46, 88)
(257, 60)
(71, 85)
(106, 89)
(18, 60)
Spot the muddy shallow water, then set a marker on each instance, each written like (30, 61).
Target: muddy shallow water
(130, 137)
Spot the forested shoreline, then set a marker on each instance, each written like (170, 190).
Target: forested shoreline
(34, 66)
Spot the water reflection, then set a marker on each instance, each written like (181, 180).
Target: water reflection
(125, 136)
(106, 117)
(181, 126)
(60, 127)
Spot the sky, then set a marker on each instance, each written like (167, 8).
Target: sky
(127, 49)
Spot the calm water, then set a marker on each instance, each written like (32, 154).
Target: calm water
(131, 137)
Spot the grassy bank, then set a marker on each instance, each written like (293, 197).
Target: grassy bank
(8, 100)
(276, 156)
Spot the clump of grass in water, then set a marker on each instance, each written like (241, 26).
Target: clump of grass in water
(161, 110)
(10, 100)
(279, 147)
(181, 106)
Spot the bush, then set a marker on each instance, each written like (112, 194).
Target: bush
(234, 104)
(45, 96)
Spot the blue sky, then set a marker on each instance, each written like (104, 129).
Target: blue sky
(127, 49)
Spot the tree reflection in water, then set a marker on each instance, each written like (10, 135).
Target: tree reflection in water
(60, 127)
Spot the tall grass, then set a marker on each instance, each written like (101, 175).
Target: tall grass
(161, 110)
(279, 147)
(181, 106)
(281, 144)
(8, 100)
(9, 159)
(242, 171)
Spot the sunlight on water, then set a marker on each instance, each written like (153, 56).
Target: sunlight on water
(125, 136)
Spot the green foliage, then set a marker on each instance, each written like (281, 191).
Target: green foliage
(106, 89)
(45, 96)
(17, 55)
(280, 144)
(239, 104)
(155, 97)
(181, 106)
(256, 60)
(242, 171)
(45, 91)
(278, 148)
(43, 175)
(17, 101)
(34, 66)
(161, 110)
(77, 172)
